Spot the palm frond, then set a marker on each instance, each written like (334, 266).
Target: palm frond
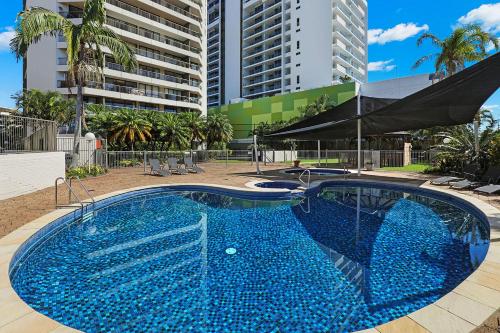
(35, 23)
(94, 12)
(433, 38)
(121, 51)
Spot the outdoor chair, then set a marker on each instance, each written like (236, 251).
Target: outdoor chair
(445, 180)
(488, 189)
(491, 176)
(157, 170)
(467, 172)
(175, 167)
(191, 167)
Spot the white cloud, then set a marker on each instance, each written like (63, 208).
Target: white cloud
(5, 37)
(487, 16)
(398, 33)
(491, 107)
(381, 66)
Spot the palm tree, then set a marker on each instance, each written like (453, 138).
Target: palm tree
(84, 47)
(173, 131)
(130, 126)
(49, 105)
(462, 145)
(467, 43)
(194, 122)
(100, 119)
(219, 129)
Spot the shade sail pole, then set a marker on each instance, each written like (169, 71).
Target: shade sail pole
(319, 153)
(256, 152)
(359, 131)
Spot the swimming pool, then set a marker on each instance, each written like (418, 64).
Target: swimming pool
(347, 257)
(318, 172)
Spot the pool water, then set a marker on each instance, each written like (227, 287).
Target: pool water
(342, 259)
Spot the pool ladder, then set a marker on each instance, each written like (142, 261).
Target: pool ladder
(72, 193)
(306, 185)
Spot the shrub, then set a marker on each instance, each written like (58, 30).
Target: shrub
(84, 172)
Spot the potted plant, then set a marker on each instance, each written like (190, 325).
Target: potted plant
(296, 163)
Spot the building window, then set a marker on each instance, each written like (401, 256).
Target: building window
(298, 79)
(298, 22)
(298, 45)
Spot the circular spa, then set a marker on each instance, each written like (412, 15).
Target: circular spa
(346, 257)
(317, 172)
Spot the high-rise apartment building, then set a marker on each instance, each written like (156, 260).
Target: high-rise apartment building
(169, 39)
(280, 46)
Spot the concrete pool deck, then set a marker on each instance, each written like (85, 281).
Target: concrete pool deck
(464, 309)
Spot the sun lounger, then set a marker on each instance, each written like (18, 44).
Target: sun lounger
(445, 180)
(157, 170)
(191, 167)
(174, 167)
(488, 189)
(491, 176)
(464, 184)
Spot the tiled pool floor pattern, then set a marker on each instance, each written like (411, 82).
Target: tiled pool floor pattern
(164, 256)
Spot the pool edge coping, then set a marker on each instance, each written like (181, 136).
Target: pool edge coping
(456, 311)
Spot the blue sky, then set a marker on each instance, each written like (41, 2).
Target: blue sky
(394, 26)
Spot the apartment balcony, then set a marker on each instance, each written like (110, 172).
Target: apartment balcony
(167, 25)
(150, 76)
(265, 19)
(169, 60)
(178, 10)
(249, 14)
(133, 94)
(139, 34)
(347, 41)
(339, 70)
(262, 81)
(255, 32)
(348, 62)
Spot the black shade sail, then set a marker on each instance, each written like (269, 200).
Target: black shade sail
(452, 101)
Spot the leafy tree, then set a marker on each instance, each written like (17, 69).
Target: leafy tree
(129, 126)
(346, 79)
(84, 51)
(218, 130)
(321, 104)
(49, 105)
(459, 148)
(100, 120)
(465, 44)
(173, 131)
(195, 123)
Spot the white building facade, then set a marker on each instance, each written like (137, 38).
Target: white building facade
(266, 47)
(169, 39)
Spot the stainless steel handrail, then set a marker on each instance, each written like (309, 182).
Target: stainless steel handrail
(85, 189)
(308, 179)
(71, 192)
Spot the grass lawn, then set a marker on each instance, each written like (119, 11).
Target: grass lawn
(323, 161)
(408, 168)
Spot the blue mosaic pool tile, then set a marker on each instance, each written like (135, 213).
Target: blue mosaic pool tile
(159, 261)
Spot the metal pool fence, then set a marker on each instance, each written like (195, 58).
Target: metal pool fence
(330, 158)
(21, 134)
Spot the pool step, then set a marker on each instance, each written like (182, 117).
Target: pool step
(88, 216)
